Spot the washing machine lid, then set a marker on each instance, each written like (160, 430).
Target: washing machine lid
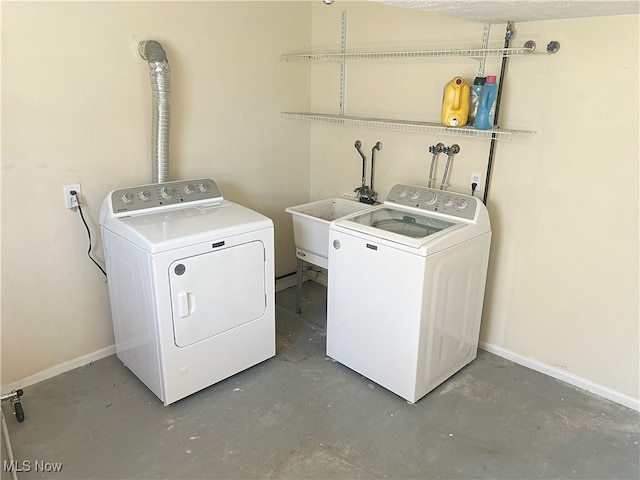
(405, 223)
(420, 219)
(178, 227)
(407, 227)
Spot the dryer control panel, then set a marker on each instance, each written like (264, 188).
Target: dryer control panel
(132, 199)
(434, 200)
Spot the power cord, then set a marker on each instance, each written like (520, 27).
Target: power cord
(474, 185)
(75, 194)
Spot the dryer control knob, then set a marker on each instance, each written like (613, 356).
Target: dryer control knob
(414, 195)
(144, 195)
(168, 191)
(127, 197)
(203, 187)
(190, 188)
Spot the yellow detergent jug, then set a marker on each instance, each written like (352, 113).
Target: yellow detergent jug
(455, 103)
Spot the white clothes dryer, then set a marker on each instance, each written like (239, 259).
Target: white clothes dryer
(406, 288)
(191, 284)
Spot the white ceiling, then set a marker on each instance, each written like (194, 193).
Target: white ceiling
(501, 11)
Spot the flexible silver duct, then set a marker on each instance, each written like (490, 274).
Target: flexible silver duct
(153, 52)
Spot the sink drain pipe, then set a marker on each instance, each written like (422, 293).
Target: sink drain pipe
(153, 52)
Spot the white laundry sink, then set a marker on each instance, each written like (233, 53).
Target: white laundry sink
(311, 226)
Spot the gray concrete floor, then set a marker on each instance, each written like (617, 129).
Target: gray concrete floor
(302, 415)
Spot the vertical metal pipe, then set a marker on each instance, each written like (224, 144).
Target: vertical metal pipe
(492, 147)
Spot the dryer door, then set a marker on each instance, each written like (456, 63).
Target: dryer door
(217, 291)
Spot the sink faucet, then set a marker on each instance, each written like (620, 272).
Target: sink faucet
(365, 193)
(378, 147)
(361, 189)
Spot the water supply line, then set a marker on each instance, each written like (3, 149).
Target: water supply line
(436, 150)
(452, 151)
(153, 52)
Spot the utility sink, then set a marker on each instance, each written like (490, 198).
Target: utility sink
(311, 226)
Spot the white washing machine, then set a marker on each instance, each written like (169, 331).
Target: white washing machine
(191, 284)
(406, 288)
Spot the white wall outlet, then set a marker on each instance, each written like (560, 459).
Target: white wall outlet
(476, 178)
(71, 201)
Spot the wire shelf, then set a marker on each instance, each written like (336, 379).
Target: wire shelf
(477, 53)
(401, 125)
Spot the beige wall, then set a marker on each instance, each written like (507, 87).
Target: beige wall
(563, 282)
(76, 107)
(563, 279)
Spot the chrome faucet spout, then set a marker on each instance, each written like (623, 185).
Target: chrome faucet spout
(358, 146)
(378, 147)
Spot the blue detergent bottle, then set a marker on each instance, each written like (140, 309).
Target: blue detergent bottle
(474, 95)
(484, 117)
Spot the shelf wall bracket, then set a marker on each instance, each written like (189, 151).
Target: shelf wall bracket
(485, 45)
(343, 63)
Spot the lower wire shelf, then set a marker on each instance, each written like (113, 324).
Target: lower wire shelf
(402, 125)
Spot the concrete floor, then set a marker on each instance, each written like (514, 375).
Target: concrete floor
(302, 415)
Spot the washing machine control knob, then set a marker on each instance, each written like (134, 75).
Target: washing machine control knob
(203, 187)
(461, 203)
(127, 197)
(402, 193)
(145, 195)
(430, 197)
(414, 195)
(190, 188)
(447, 201)
(168, 191)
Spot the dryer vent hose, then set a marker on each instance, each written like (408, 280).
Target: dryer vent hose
(153, 52)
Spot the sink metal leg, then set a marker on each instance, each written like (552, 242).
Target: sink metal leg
(6, 439)
(299, 284)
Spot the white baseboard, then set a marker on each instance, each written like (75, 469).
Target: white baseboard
(285, 282)
(564, 376)
(281, 284)
(58, 369)
(317, 274)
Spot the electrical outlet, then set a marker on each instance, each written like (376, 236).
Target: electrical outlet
(476, 178)
(71, 201)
